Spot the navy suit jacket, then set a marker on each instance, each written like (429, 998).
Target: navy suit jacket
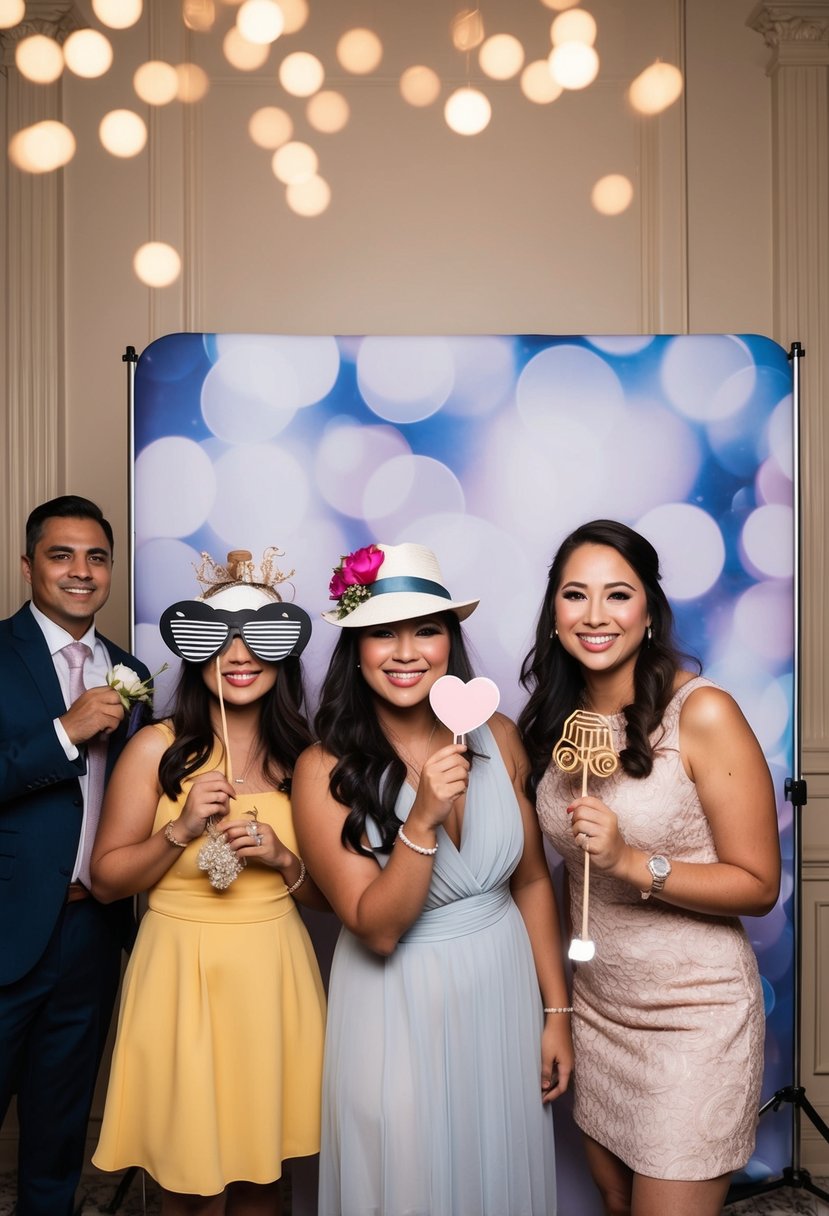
(41, 807)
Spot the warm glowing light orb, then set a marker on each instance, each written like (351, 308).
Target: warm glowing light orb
(39, 58)
(270, 127)
(260, 21)
(656, 88)
(294, 163)
(193, 82)
(123, 133)
(612, 194)
(467, 111)
(11, 13)
(199, 15)
(301, 74)
(537, 83)
(157, 264)
(419, 85)
(310, 197)
(359, 51)
(43, 147)
(467, 29)
(243, 55)
(88, 53)
(501, 57)
(574, 65)
(575, 26)
(295, 13)
(156, 82)
(117, 14)
(328, 112)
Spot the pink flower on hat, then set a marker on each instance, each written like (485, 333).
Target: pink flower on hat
(356, 570)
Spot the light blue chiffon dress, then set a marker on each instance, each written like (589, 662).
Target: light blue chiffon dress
(432, 1077)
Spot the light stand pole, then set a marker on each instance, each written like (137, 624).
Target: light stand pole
(795, 789)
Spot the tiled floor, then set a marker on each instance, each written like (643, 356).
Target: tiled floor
(141, 1196)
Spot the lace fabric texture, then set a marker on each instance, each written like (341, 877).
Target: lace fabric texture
(668, 1025)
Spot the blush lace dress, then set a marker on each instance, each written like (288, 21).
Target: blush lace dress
(668, 1026)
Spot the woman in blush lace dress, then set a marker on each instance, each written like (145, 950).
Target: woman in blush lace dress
(668, 1024)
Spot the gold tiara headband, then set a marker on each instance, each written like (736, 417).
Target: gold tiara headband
(240, 568)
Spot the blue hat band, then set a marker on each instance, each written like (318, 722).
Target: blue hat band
(424, 586)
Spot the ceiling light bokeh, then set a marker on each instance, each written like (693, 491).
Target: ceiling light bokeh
(294, 163)
(157, 264)
(270, 127)
(260, 21)
(243, 55)
(117, 14)
(310, 197)
(301, 74)
(42, 147)
(88, 53)
(467, 29)
(537, 83)
(501, 56)
(123, 133)
(658, 87)
(156, 82)
(359, 51)
(328, 112)
(573, 65)
(12, 13)
(198, 15)
(611, 195)
(193, 83)
(467, 111)
(575, 26)
(295, 13)
(39, 59)
(420, 85)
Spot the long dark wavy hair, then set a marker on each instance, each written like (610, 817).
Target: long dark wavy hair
(283, 728)
(554, 678)
(369, 774)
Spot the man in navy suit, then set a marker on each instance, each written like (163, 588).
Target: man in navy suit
(60, 732)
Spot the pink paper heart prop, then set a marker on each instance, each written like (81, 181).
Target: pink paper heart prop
(463, 707)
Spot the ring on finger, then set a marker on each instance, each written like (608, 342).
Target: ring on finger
(251, 830)
(584, 840)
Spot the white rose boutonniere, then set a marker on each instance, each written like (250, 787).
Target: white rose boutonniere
(130, 687)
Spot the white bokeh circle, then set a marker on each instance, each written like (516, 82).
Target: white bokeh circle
(767, 540)
(315, 360)
(398, 489)
(764, 620)
(174, 488)
(346, 456)
(781, 439)
(484, 374)
(708, 376)
(262, 495)
(250, 394)
(690, 546)
(405, 379)
(570, 385)
(165, 571)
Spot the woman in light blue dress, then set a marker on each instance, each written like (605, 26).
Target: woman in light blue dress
(449, 1025)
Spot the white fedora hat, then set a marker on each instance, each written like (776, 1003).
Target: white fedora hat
(406, 583)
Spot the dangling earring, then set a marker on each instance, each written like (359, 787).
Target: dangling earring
(649, 634)
(554, 634)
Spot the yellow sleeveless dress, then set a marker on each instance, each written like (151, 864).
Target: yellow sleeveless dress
(217, 1064)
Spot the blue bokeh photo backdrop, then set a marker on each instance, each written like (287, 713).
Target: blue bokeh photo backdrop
(489, 450)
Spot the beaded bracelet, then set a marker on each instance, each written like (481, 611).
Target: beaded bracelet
(416, 848)
(303, 873)
(560, 1009)
(168, 835)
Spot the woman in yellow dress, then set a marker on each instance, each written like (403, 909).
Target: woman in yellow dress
(216, 1071)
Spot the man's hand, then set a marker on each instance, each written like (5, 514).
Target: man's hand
(96, 711)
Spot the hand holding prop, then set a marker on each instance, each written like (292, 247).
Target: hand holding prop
(216, 857)
(463, 707)
(587, 741)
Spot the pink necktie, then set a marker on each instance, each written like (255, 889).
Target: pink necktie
(76, 654)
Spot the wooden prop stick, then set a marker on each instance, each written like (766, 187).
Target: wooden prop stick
(225, 740)
(587, 741)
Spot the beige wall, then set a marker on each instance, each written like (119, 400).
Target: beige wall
(427, 232)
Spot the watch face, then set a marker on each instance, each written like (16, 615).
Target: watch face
(660, 867)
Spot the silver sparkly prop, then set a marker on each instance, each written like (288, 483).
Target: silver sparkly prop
(218, 859)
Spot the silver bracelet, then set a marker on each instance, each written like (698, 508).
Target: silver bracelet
(168, 835)
(303, 873)
(559, 1009)
(416, 848)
